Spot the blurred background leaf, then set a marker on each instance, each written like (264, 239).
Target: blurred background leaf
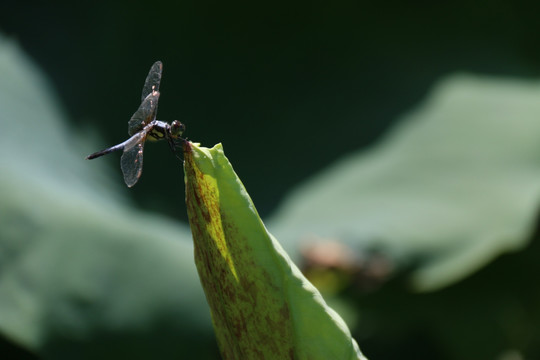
(454, 185)
(81, 274)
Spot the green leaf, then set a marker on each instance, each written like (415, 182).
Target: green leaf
(262, 307)
(456, 184)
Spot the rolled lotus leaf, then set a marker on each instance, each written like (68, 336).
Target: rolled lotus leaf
(262, 306)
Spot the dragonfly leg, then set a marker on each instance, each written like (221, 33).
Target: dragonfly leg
(175, 145)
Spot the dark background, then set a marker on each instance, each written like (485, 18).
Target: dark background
(287, 87)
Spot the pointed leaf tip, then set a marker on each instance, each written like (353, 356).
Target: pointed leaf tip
(262, 306)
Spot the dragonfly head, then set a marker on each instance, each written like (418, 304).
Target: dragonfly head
(177, 128)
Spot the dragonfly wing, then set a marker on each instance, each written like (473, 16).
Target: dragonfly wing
(152, 80)
(132, 158)
(144, 114)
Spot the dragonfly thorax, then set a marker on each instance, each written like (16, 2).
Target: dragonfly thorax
(160, 130)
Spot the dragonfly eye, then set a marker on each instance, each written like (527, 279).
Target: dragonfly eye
(177, 128)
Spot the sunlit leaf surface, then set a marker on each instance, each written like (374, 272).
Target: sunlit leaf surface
(262, 306)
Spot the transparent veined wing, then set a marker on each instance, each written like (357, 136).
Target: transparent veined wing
(152, 80)
(132, 158)
(144, 114)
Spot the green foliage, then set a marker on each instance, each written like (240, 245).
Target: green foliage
(262, 306)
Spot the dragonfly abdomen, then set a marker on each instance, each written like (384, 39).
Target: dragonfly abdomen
(106, 151)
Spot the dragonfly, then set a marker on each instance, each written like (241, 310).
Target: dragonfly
(143, 126)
